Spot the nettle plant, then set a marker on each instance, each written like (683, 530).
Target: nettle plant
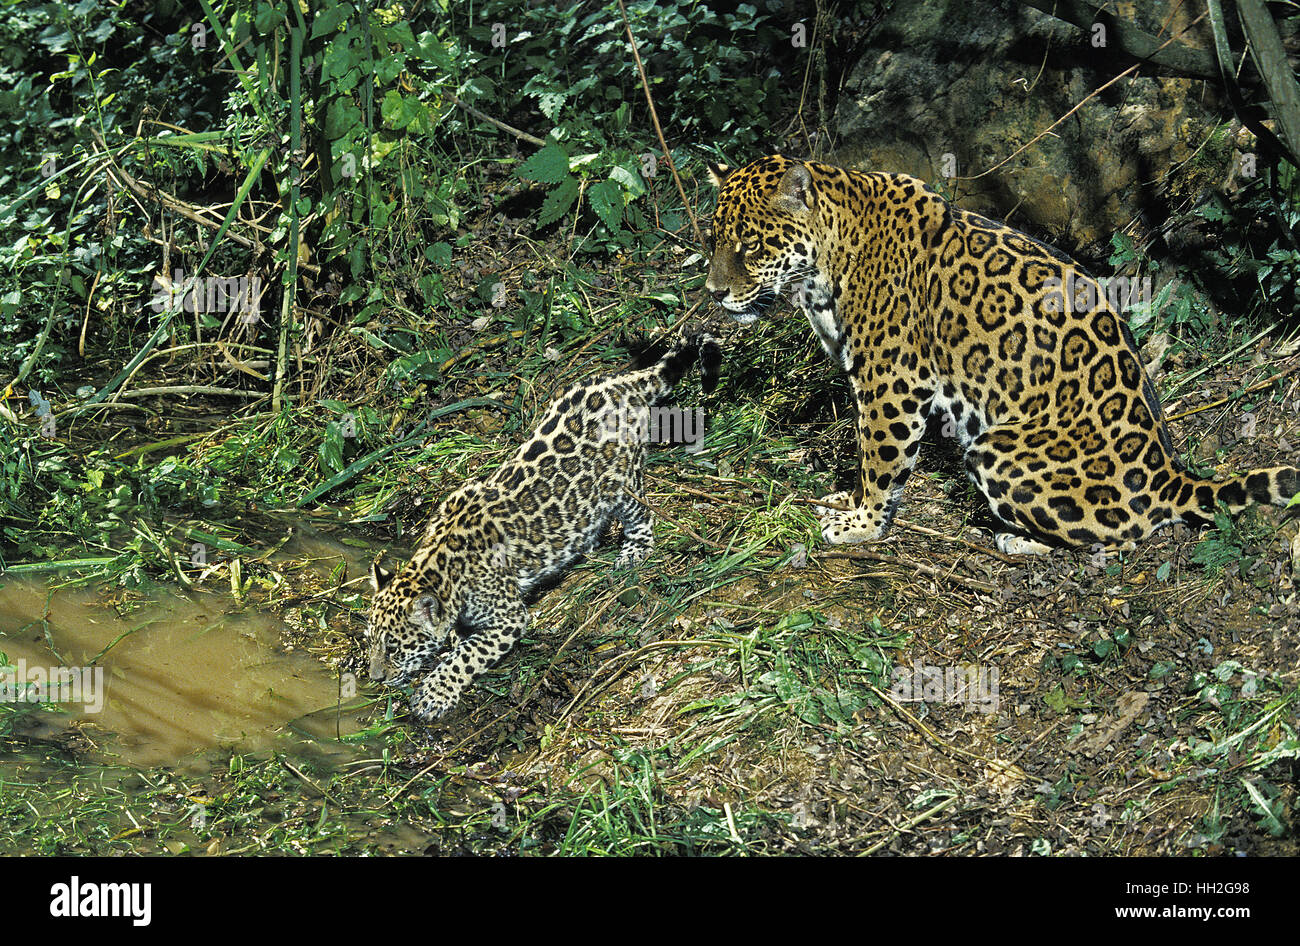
(611, 191)
(1178, 307)
(573, 68)
(1249, 263)
(385, 95)
(1256, 239)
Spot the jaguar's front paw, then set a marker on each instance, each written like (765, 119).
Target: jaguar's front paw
(843, 499)
(846, 528)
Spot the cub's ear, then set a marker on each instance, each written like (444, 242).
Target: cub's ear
(427, 613)
(718, 173)
(795, 193)
(379, 577)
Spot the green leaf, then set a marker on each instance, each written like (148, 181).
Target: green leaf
(388, 68)
(1056, 701)
(328, 19)
(267, 19)
(548, 166)
(340, 56)
(1224, 671)
(400, 111)
(331, 448)
(1059, 702)
(1270, 818)
(558, 201)
(1214, 213)
(1122, 249)
(606, 198)
(630, 179)
(550, 103)
(341, 117)
(420, 365)
(431, 50)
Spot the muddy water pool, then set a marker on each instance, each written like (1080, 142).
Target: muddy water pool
(164, 682)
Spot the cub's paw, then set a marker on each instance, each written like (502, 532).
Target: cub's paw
(631, 555)
(432, 699)
(846, 528)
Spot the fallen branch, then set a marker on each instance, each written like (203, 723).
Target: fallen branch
(922, 817)
(360, 464)
(122, 179)
(924, 569)
(1270, 59)
(191, 389)
(973, 546)
(1229, 71)
(1266, 383)
(927, 732)
(508, 129)
(680, 526)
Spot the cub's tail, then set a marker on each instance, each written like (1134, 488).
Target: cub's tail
(697, 346)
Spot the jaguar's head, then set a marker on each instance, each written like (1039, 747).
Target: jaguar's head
(407, 625)
(764, 233)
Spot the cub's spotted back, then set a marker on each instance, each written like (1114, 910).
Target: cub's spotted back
(491, 545)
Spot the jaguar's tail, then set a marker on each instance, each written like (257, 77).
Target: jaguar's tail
(1196, 500)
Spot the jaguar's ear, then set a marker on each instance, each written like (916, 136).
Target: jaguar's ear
(379, 577)
(718, 173)
(795, 193)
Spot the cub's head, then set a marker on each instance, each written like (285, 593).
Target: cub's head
(407, 626)
(763, 231)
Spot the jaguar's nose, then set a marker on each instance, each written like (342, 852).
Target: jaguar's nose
(718, 294)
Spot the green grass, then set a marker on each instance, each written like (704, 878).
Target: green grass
(1249, 742)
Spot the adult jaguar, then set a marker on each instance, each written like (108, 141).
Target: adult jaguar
(934, 310)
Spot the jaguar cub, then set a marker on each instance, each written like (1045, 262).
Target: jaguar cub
(936, 311)
(492, 544)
